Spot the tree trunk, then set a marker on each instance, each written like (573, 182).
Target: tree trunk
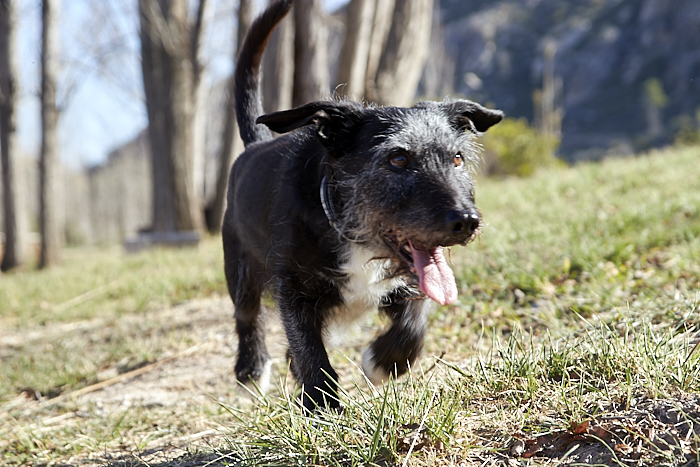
(12, 194)
(405, 53)
(278, 68)
(436, 81)
(229, 135)
(381, 25)
(246, 14)
(355, 53)
(200, 90)
(169, 84)
(49, 228)
(311, 75)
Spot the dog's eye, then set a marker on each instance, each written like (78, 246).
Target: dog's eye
(399, 160)
(458, 160)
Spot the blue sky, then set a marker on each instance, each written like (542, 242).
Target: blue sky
(100, 90)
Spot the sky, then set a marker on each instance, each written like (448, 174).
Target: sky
(100, 91)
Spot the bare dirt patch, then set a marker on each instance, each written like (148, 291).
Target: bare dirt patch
(175, 405)
(178, 395)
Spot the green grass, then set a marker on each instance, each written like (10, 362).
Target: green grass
(107, 282)
(594, 239)
(464, 412)
(579, 302)
(99, 286)
(580, 295)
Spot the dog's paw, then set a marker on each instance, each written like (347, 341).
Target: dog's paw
(262, 384)
(373, 372)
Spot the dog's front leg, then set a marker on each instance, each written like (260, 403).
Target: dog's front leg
(303, 318)
(394, 351)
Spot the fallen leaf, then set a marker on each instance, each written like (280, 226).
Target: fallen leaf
(601, 433)
(580, 428)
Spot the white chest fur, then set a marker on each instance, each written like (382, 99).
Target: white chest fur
(367, 283)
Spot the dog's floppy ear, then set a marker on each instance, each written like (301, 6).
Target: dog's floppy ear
(467, 115)
(288, 120)
(332, 120)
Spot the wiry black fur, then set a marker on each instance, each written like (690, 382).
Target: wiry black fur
(276, 233)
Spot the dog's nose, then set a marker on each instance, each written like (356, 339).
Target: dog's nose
(462, 222)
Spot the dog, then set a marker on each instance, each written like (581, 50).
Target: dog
(349, 210)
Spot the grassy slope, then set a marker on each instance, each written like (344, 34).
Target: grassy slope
(580, 297)
(104, 282)
(582, 290)
(98, 285)
(594, 239)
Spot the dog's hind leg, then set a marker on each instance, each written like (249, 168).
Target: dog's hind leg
(245, 287)
(394, 351)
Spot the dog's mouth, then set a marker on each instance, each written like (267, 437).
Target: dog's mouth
(435, 277)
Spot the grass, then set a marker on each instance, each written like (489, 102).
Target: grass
(577, 321)
(462, 413)
(95, 287)
(105, 282)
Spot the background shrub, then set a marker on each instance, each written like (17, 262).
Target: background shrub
(513, 147)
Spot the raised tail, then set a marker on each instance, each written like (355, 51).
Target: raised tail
(247, 74)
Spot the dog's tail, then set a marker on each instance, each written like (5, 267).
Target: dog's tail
(247, 75)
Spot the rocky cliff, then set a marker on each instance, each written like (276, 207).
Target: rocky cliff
(627, 71)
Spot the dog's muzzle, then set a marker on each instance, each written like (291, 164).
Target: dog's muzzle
(426, 261)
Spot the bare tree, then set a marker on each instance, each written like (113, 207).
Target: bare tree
(381, 25)
(355, 53)
(311, 75)
(548, 111)
(49, 228)
(14, 218)
(201, 91)
(215, 210)
(246, 13)
(440, 66)
(278, 68)
(405, 53)
(171, 74)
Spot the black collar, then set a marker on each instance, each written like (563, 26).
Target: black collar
(327, 202)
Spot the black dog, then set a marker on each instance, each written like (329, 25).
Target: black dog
(348, 213)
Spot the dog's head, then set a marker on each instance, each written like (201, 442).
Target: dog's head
(401, 177)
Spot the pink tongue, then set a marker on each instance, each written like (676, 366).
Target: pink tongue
(436, 278)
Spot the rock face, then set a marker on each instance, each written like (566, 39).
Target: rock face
(629, 69)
